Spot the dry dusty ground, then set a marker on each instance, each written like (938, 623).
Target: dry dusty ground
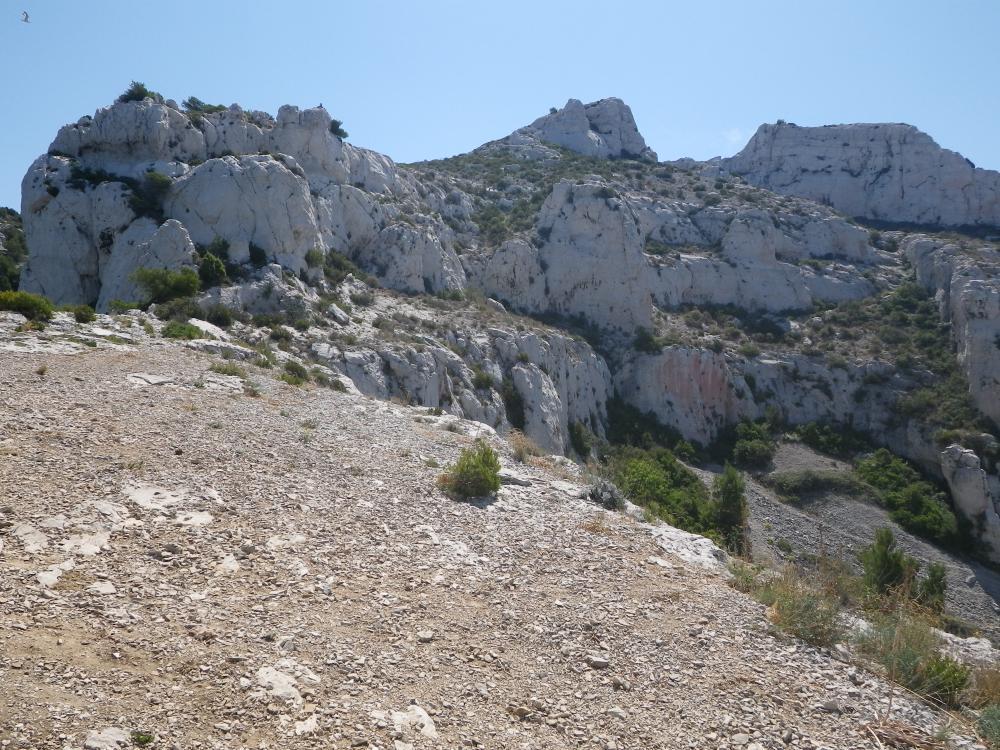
(229, 571)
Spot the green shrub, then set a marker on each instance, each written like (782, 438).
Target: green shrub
(753, 454)
(913, 503)
(481, 380)
(163, 284)
(833, 440)
(989, 725)
(212, 271)
(148, 195)
(803, 611)
(82, 313)
(228, 368)
(646, 342)
(122, 306)
(336, 267)
(181, 309)
(475, 474)
(136, 92)
(931, 588)
(337, 128)
(314, 258)
(219, 315)
(31, 306)
(731, 509)
(907, 647)
(656, 480)
(175, 329)
(629, 426)
(194, 104)
(294, 374)
(580, 438)
(362, 299)
(885, 566)
(795, 486)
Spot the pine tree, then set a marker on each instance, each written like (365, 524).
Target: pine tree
(731, 510)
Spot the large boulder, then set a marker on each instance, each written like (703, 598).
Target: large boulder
(142, 245)
(888, 172)
(975, 493)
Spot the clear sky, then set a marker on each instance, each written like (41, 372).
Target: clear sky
(419, 80)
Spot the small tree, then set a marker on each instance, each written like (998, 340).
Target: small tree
(931, 588)
(731, 509)
(337, 128)
(885, 566)
(163, 285)
(212, 271)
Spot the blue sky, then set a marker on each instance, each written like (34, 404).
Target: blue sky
(420, 80)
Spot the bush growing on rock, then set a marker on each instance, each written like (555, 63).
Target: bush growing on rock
(754, 447)
(475, 474)
(32, 306)
(337, 128)
(803, 611)
(175, 329)
(212, 271)
(148, 195)
(295, 373)
(581, 439)
(163, 284)
(82, 313)
(513, 403)
(194, 104)
(136, 92)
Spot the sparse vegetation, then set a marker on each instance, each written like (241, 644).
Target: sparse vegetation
(175, 329)
(802, 610)
(475, 474)
(136, 92)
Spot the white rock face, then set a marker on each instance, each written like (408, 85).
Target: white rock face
(592, 257)
(412, 259)
(250, 199)
(890, 172)
(976, 494)
(968, 288)
(142, 245)
(605, 129)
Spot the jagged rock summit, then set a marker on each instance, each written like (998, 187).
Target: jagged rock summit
(888, 172)
(604, 129)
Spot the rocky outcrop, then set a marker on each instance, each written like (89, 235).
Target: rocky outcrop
(976, 494)
(888, 172)
(967, 284)
(604, 129)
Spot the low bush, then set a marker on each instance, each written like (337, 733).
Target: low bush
(805, 612)
(31, 306)
(175, 329)
(148, 195)
(795, 486)
(337, 128)
(219, 315)
(228, 368)
(837, 440)
(314, 258)
(481, 380)
(475, 474)
(163, 284)
(194, 104)
(136, 92)
(82, 313)
(212, 271)
(181, 309)
(523, 446)
(885, 566)
(362, 299)
(513, 403)
(731, 510)
(295, 373)
(909, 650)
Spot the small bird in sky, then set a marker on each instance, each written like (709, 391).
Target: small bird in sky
(25, 18)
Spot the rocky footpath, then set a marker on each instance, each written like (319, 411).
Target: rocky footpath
(214, 560)
(885, 171)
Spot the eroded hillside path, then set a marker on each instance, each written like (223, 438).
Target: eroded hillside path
(226, 571)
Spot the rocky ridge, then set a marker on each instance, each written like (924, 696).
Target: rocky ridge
(888, 172)
(551, 222)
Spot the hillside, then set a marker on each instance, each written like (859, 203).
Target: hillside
(256, 345)
(212, 567)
